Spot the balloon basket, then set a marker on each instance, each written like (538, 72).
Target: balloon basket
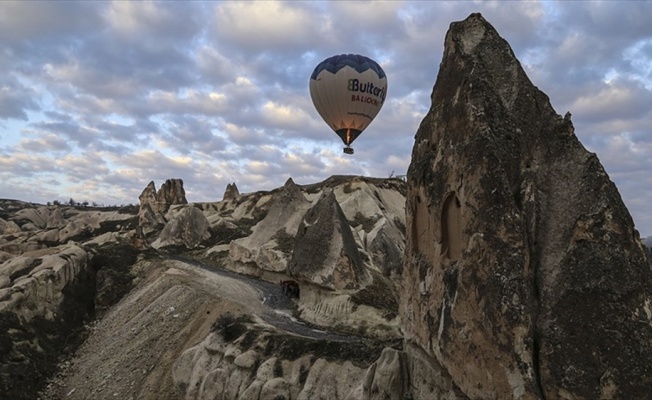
(348, 150)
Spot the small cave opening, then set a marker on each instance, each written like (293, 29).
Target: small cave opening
(451, 228)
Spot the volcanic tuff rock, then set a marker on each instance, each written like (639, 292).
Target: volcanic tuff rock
(270, 245)
(339, 265)
(524, 276)
(170, 193)
(188, 228)
(231, 192)
(154, 205)
(49, 287)
(48, 282)
(217, 368)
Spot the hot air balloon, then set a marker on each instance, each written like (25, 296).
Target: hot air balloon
(348, 91)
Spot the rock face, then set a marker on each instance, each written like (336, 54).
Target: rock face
(339, 264)
(189, 228)
(154, 205)
(171, 193)
(270, 245)
(231, 192)
(524, 276)
(216, 368)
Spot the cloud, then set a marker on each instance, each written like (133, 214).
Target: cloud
(16, 100)
(217, 92)
(46, 143)
(618, 99)
(268, 26)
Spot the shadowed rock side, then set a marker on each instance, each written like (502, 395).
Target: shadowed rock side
(337, 265)
(524, 276)
(188, 228)
(154, 205)
(231, 192)
(170, 193)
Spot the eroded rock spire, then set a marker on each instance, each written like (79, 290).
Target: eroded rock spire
(524, 274)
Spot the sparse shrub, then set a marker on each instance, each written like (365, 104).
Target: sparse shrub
(229, 326)
(379, 294)
(303, 374)
(284, 241)
(249, 339)
(278, 368)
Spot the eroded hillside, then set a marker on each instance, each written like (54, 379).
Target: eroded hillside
(166, 314)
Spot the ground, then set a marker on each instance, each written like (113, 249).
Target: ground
(129, 351)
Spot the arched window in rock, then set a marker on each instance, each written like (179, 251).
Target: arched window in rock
(422, 228)
(451, 228)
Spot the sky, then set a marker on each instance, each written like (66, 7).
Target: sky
(99, 98)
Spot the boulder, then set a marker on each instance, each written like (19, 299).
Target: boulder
(189, 228)
(31, 219)
(524, 276)
(8, 227)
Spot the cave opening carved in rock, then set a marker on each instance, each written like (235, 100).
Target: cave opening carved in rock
(451, 228)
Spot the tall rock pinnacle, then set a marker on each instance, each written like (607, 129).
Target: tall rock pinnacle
(524, 275)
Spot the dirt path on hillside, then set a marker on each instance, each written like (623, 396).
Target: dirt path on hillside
(129, 352)
(277, 309)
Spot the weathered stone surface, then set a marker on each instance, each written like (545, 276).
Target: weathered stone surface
(189, 228)
(376, 212)
(148, 220)
(337, 265)
(8, 227)
(388, 377)
(524, 276)
(45, 298)
(148, 196)
(31, 219)
(55, 219)
(270, 245)
(199, 373)
(133, 343)
(231, 192)
(154, 205)
(170, 193)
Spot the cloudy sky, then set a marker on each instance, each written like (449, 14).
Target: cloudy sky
(99, 98)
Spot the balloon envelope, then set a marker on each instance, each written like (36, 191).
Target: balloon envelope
(348, 91)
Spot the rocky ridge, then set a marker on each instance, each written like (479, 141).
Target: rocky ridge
(252, 233)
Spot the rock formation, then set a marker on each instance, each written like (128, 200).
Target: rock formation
(270, 245)
(338, 264)
(524, 276)
(60, 266)
(217, 368)
(188, 228)
(231, 192)
(170, 193)
(154, 205)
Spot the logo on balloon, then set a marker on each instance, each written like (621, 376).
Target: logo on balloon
(367, 87)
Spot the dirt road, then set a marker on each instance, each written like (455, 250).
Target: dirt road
(278, 310)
